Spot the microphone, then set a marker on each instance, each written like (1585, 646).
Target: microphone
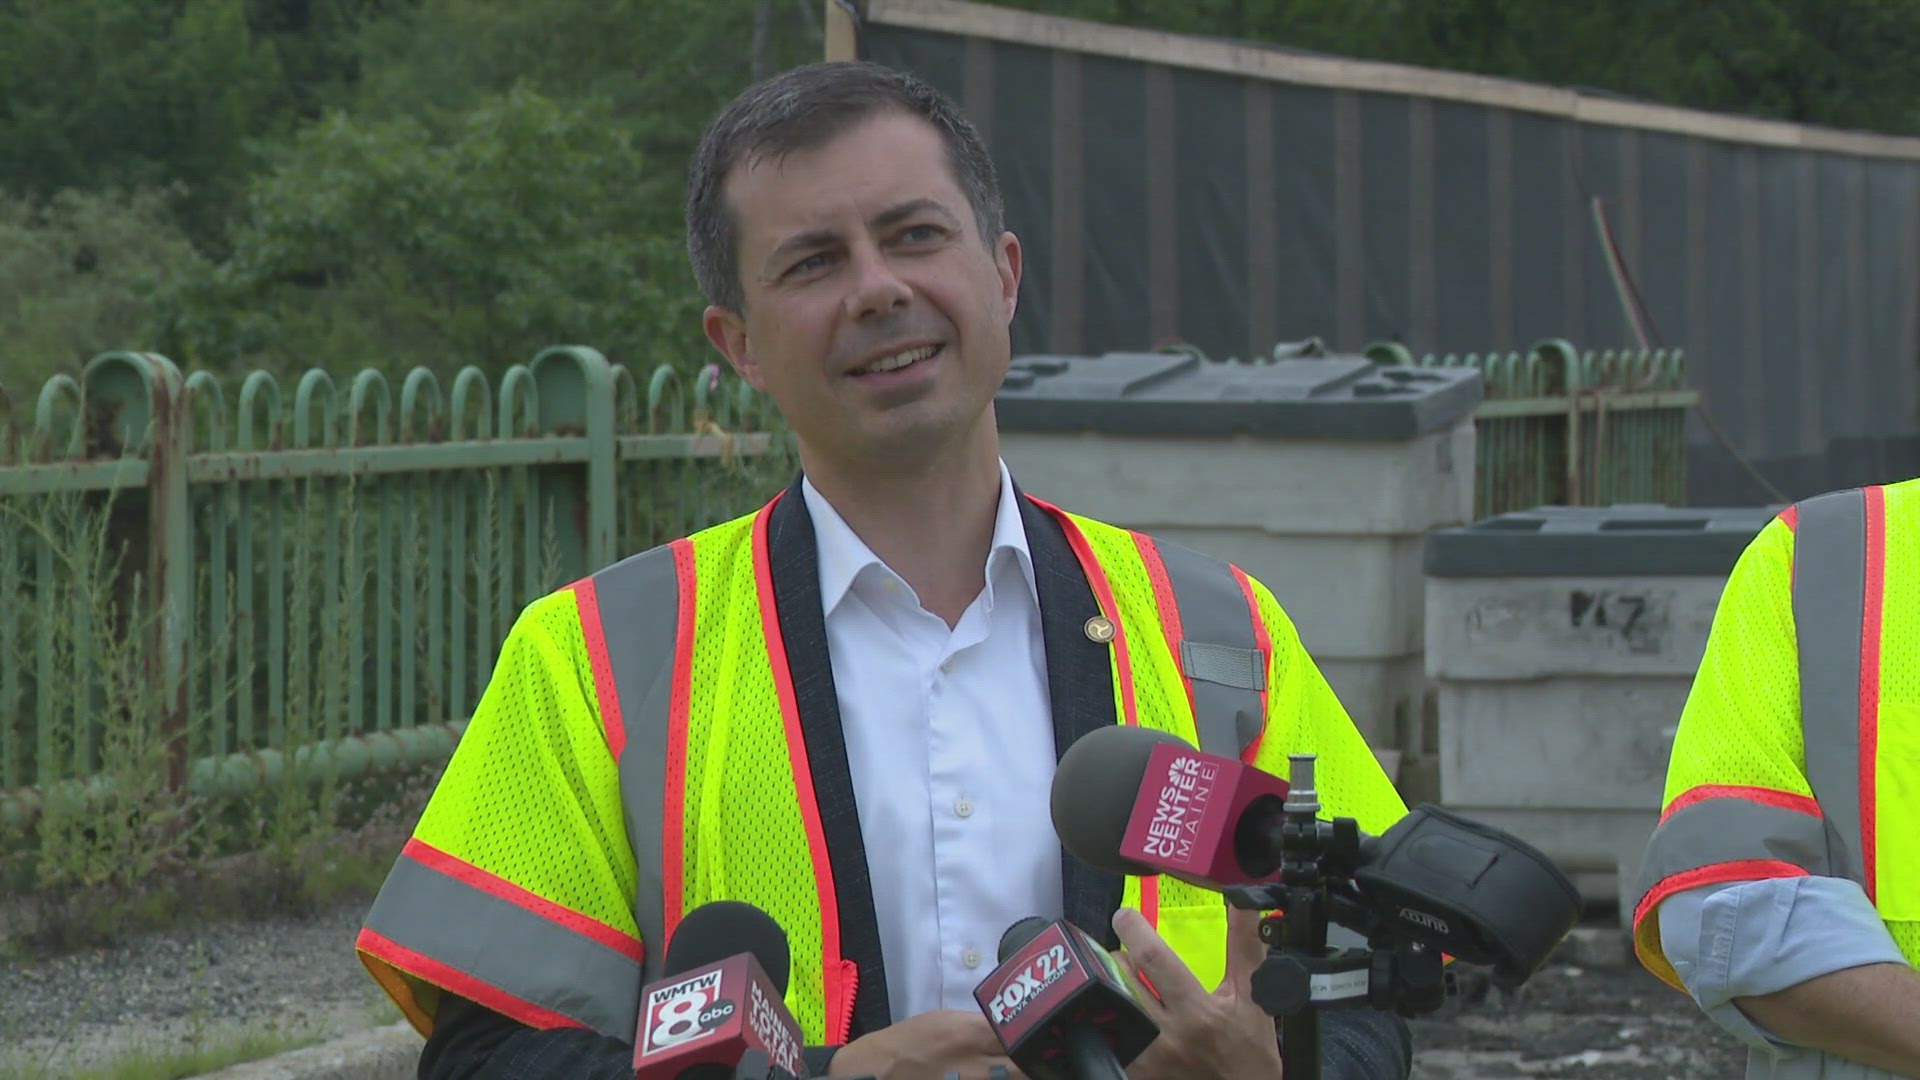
(756, 1065)
(1136, 801)
(1132, 800)
(1061, 1005)
(718, 1004)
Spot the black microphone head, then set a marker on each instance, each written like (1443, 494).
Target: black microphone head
(1094, 789)
(723, 928)
(1019, 934)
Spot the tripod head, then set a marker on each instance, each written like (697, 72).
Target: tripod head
(1433, 886)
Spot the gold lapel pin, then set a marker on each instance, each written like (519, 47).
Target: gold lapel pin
(1100, 629)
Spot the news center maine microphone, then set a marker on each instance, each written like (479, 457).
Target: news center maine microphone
(1135, 801)
(1061, 1006)
(719, 1013)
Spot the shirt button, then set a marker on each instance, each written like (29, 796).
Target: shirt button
(947, 665)
(971, 958)
(965, 809)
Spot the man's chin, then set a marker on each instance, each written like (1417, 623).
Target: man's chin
(902, 444)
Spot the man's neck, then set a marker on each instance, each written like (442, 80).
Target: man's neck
(933, 527)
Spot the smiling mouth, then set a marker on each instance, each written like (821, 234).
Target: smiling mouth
(899, 361)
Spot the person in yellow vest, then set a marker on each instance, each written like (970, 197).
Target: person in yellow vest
(846, 708)
(1782, 887)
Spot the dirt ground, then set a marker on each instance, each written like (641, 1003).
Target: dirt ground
(1590, 1013)
(1600, 1022)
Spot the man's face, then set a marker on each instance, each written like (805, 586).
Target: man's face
(876, 316)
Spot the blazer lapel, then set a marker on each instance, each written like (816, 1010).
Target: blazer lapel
(1080, 688)
(795, 563)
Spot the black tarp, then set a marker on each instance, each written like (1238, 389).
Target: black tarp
(1158, 202)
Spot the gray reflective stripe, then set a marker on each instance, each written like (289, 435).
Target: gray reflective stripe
(1829, 596)
(1731, 829)
(1243, 669)
(1219, 651)
(639, 617)
(508, 947)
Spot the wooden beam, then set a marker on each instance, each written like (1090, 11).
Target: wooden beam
(843, 42)
(967, 19)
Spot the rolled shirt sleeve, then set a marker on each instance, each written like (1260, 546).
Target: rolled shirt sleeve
(1750, 938)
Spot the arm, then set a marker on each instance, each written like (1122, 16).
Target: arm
(1738, 942)
(1737, 806)
(472, 1041)
(515, 890)
(1780, 956)
(1869, 1014)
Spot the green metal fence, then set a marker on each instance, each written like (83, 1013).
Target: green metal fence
(1561, 427)
(252, 570)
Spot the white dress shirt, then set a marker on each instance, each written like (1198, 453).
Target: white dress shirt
(950, 742)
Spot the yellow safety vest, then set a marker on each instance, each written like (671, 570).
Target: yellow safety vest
(643, 749)
(1799, 748)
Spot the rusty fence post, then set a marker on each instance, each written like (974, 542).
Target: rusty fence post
(136, 405)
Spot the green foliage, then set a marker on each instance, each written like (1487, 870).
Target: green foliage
(115, 846)
(79, 274)
(122, 825)
(132, 93)
(663, 66)
(1844, 63)
(1837, 62)
(318, 45)
(530, 222)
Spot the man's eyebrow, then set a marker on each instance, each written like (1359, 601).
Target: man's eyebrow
(893, 215)
(806, 241)
(818, 238)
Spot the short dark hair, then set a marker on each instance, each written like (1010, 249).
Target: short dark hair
(802, 109)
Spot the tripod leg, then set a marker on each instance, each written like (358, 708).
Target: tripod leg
(1300, 1044)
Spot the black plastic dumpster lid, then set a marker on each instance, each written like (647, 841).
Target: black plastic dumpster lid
(1636, 540)
(1345, 397)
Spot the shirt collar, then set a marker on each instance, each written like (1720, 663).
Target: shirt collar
(844, 556)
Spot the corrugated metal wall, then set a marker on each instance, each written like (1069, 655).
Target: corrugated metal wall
(1158, 201)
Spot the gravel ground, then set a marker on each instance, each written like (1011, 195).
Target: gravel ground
(1599, 1022)
(161, 990)
(1594, 1023)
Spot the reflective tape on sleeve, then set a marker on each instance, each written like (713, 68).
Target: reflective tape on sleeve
(1728, 830)
(486, 939)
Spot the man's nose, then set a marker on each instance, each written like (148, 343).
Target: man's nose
(877, 289)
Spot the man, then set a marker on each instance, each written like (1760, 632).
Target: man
(846, 708)
(1782, 888)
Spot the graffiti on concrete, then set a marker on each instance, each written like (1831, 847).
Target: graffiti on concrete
(1639, 619)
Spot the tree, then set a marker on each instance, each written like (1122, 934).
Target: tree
(98, 94)
(531, 222)
(663, 66)
(1845, 63)
(80, 274)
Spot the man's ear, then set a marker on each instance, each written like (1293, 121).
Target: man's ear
(1006, 259)
(728, 332)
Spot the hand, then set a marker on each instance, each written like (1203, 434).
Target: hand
(931, 1046)
(1223, 1034)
